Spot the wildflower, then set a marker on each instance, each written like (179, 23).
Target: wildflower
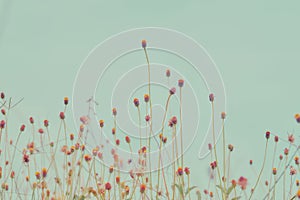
(180, 82)
(111, 169)
(87, 158)
(164, 140)
(242, 182)
(144, 44)
(179, 171)
(127, 189)
(117, 142)
(114, 111)
(12, 174)
(146, 98)
(297, 117)
(291, 138)
(297, 183)
(66, 100)
(127, 139)
(296, 160)
(173, 121)
(187, 171)
(298, 193)
(211, 97)
(276, 138)
(286, 151)
(251, 162)
(213, 165)
(46, 123)
(38, 175)
(41, 131)
(205, 191)
(113, 131)
(136, 102)
(44, 172)
(31, 120)
(147, 118)
(71, 136)
(293, 171)
(117, 179)
(209, 146)
(266, 183)
(22, 128)
(168, 73)
(172, 91)
(62, 115)
(142, 188)
(280, 157)
(233, 183)
(81, 128)
(101, 123)
(230, 147)
(223, 115)
(107, 186)
(268, 134)
(211, 194)
(2, 95)
(274, 171)
(2, 124)
(3, 111)
(84, 119)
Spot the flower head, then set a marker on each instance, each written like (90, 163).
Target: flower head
(62, 115)
(22, 128)
(101, 123)
(144, 44)
(127, 139)
(179, 171)
(146, 98)
(136, 102)
(268, 134)
(211, 97)
(168, 73)
(44, 172)
(142, 188)
(172, 91)
(180, 83)
(107, 186)
(114, 111)
(242, 182)
(66, 100)
(46, 123)
(187, 171)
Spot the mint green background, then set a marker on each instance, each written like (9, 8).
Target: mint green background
(254, 44)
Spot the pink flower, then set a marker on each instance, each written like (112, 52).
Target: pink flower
(243, 182)
(84, 119)
(291, 138)
(172, 91)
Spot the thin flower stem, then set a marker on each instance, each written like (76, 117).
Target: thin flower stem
(224, 154)
(284, 175)
(151, 131)
(260, 173)
(140, 131)
(215, 150)
(160, 145)
(274, 153)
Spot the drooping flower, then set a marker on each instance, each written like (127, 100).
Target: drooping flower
(242, 182)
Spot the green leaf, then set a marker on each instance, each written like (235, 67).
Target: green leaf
(189, 189)
(236, 198)
(180, 189)
(229, 190)
(198, 195)
(222, 189)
